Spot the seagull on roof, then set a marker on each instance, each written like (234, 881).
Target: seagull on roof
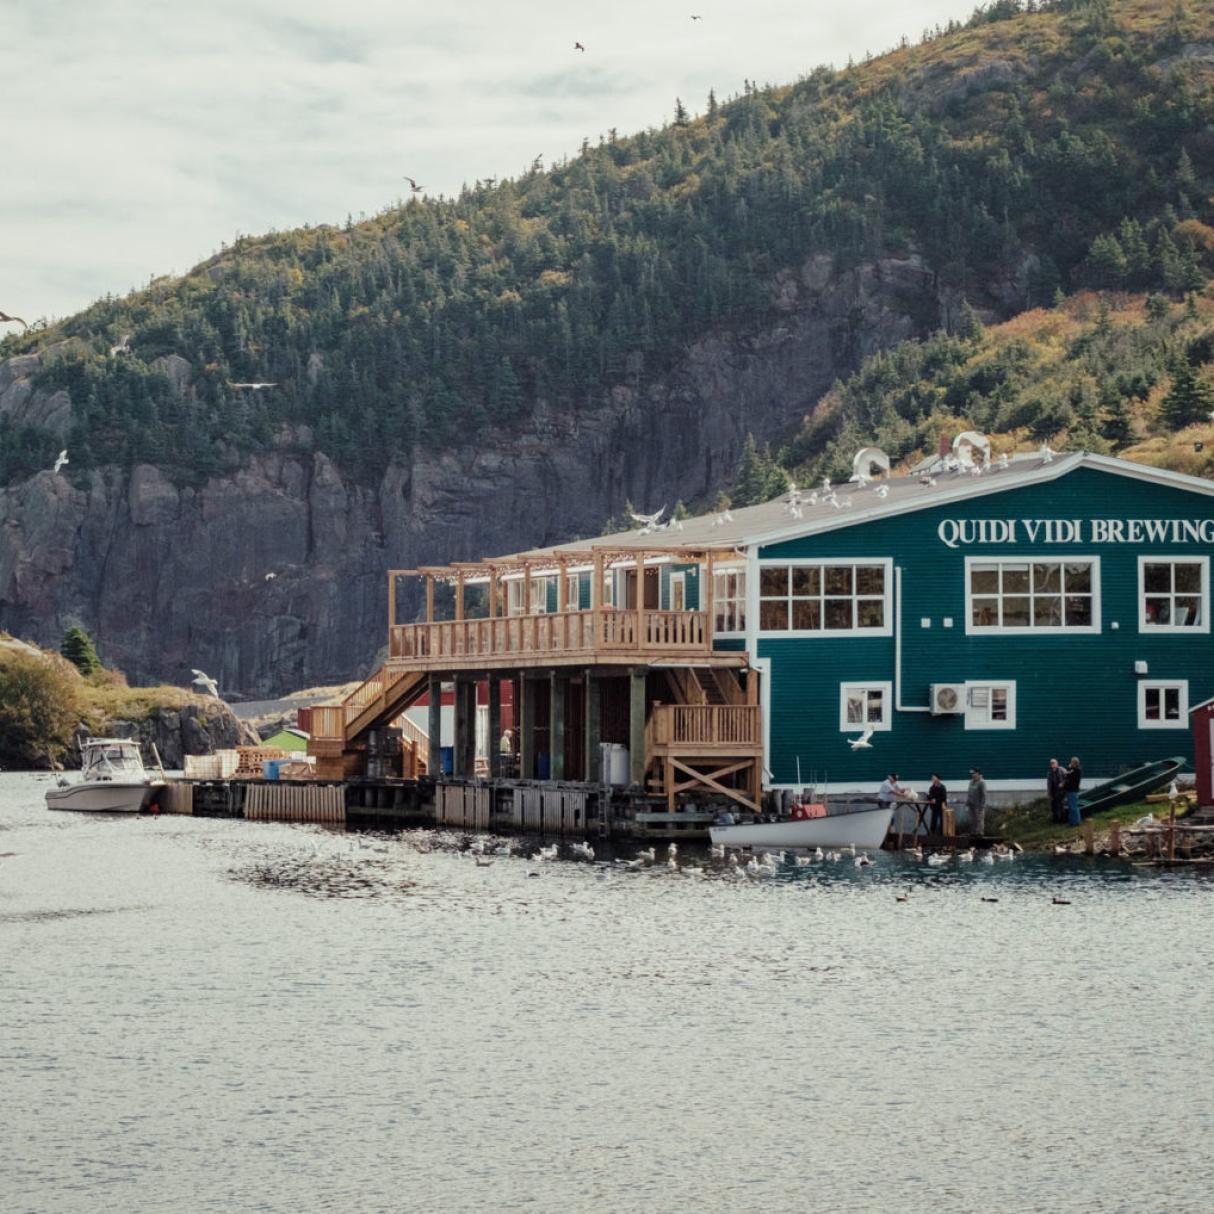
(860, 479)
(204, 680)
(883, 491)
(1003, 462)
(60, 460)
(826, 487)
(864, 741)
(6, 319)
(722, 518)
(927, 480)
(649, 522)
(1047, 453)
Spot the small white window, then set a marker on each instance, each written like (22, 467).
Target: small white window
(1174, 594)
(865, 704)
(573, 592)
(990, 706)
(1163, 704)
(729, 601)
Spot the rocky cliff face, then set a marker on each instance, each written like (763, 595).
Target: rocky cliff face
(273, 577)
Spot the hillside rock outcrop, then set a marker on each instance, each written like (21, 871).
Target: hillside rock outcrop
(273, 577)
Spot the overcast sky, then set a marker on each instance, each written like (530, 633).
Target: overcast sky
(138, 136)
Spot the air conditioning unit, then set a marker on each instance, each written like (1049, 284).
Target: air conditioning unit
(947, 699)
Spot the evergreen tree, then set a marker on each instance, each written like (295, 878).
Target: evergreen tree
(969, 324)
(680, 112)
(758, 477)
(1189, 400)
(78, 648)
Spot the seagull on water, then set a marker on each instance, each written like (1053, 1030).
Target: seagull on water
(60, 460)
(547, 853)
(864, 741)
(204, 680)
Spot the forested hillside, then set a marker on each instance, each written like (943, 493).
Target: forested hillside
(1022, 154)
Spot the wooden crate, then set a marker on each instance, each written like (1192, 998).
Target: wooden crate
(251, 758)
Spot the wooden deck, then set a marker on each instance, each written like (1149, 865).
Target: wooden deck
(559, 638)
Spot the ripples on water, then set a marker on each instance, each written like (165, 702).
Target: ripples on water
(228, 1016)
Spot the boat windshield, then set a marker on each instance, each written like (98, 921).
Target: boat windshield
(113, 759)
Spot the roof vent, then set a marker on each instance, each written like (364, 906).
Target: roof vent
(972, 448)
(869, 462)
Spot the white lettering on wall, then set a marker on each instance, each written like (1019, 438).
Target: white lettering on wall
(956, 532)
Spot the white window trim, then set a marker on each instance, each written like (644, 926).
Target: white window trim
(971, 720)
(1181, 722)
(886, 630)
(573, 592)
(1006, 556)
(1156, 558)
(887, 692)
(748, 583)
(680, 579)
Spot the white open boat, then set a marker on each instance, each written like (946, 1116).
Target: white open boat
(865, 828)
(112, 780)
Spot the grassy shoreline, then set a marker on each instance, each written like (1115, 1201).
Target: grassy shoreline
(1031, 827)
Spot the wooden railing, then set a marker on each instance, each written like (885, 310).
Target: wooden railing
(606, 630)
(331, 721)
(715, 725)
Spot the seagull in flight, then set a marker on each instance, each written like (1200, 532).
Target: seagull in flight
(577, 46)
(696, 17)
(123, 346)
(6, 319)
(864, 741)
(649, 522)
(254, 387)
(417, 189)
(60, 460)
(207, 683)
(271, 576)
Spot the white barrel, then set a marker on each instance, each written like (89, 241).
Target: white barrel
(614, 759)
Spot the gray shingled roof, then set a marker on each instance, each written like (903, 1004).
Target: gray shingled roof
(773, 521)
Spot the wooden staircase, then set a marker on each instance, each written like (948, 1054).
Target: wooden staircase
(338, 730)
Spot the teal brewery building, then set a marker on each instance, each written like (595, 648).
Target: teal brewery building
(1054, 607)
(976, 612)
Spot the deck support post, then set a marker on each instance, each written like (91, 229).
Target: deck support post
(391, 608)
(594, 766)
(556, 726)
(434, 722)
(494, 741)
(706, 593)
(459, 749)
(465, 727)
(636, 726)
(526, 728)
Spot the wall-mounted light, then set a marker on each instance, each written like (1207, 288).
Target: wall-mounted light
(1140, 667)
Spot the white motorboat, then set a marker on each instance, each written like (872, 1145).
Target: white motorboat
(112, 780)
(864, 828)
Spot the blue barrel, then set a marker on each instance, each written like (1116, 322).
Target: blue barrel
(542, 765)
(446, 759)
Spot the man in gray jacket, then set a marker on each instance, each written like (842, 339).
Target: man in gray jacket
(975, 801)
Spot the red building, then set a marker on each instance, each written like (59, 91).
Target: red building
(1202, 718)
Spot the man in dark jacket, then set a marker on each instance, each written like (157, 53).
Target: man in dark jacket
(1074, 777)
(937, 795)
(1055, 787)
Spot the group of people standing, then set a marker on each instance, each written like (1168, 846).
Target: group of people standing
(937, 797)
(1062, 786)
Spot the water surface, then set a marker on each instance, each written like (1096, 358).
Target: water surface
(208, 1015)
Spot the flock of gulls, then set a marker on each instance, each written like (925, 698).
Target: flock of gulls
(722, 863)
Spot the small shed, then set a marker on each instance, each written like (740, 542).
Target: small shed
(288, 739)
(1202, 718)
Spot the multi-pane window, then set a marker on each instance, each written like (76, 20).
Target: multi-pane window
(990, 706)
(729, 600)
(1173, 594)
(862, 705)
(573, 592)
(1163, 704)
(836, 597)
(1033, 595)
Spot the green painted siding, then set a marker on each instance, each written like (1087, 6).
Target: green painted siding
(729, 644)
(691, 575)
(1075, 694)
(583, 591)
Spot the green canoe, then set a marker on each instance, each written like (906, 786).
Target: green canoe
(1131, 785)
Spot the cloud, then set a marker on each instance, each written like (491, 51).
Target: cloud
(151, 134)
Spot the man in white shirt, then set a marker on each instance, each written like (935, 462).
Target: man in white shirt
(890, 790)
